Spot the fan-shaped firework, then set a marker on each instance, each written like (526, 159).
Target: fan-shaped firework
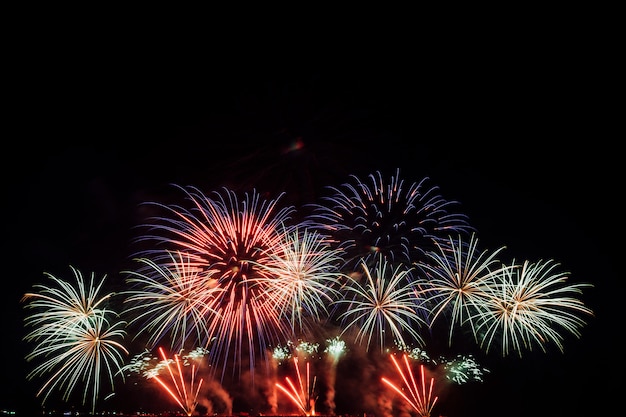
(384, 305)
(300, 276)
(455, 281)
(303, 395)
(77, 339)
(527, 305)
(400, 221)
(183, 387)
(225, 239)
(171, 300)
(412, 392)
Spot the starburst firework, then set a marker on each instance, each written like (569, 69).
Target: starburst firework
(171, 300)
(300, 276)
(381, 307)
(399, 221)
(455, 281)
(77, 338)
(225, 237)
(528, 305)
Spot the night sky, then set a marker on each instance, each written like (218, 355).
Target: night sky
(522, 146)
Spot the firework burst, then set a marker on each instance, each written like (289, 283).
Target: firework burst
(463, 369)
(381, 307)
(527, 305)
(396, 220)
(455, 281)
(77, 339)
(300, 276)
(171, 300)
(335, 348)
(225, 238)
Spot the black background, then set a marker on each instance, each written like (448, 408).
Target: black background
(517, 130)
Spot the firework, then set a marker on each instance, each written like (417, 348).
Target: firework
(421, 401)
(383, 306)
(184, 393)
(306, 349)
(455, 281)
(171, 300)
(527, 305)
(231, 273)
(303, 394)
(302, 349)
(463, 369)
(396, 220)
(460, 370)
(173, 375)
(335, 348)
(300, 276)
(77, 339)
(413, 352)
(225, 239)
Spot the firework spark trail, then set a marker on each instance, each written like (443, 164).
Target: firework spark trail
(421, 402)
(400, 222)
(525, 306)
(225, 239)
(302, 397)
(77, 339)
(384, 305)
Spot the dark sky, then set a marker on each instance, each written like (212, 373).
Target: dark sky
(520, 141)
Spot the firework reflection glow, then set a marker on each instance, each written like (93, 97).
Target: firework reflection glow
(419, 400)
